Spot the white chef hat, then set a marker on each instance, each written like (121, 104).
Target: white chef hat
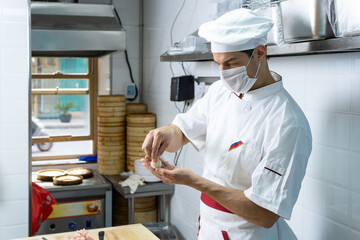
(238, 30)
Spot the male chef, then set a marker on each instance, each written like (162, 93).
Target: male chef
(256, 139)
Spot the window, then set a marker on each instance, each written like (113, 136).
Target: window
(64, 92)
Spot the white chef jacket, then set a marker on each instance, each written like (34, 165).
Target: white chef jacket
(260, 144)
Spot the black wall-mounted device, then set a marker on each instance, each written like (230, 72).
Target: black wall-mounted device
(182, 88)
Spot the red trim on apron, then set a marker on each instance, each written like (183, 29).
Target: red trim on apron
(199, 226)
(213, 204)
(225, 235)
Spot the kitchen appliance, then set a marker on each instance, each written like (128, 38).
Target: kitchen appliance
(305, 20)
(87, 205)
(182, 88)
(75, 30)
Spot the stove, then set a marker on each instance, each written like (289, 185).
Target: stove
(87, 205)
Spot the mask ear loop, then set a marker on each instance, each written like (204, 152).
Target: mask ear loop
(257, 71)
(250, 58)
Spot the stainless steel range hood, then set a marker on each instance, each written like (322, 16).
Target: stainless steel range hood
(75, 30)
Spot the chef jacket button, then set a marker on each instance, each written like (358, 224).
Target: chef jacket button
(248, 108)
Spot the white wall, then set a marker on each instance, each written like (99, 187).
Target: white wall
(130, 13)
(14, 149)
(327, 87)
(158, 18)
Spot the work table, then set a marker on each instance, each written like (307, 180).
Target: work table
(125, 232)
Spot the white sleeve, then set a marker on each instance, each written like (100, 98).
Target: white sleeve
(193, 123)
(277, 179)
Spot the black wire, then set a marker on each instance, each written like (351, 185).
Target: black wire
(177, 154)
(117, 16)
(127, 62)
(172, 71)
(172, 26)
(182, 65)
(177, 107)
(131, 76)
(184, 106)
(176, 159)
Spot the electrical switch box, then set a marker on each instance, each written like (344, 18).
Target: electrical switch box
(182, 88)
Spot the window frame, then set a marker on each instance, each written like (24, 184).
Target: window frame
(92, 76)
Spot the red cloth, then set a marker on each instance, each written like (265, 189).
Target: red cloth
(41, 203)
(212, 203)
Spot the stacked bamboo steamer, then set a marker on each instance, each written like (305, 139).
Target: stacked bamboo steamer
(138, 126)
(111, 112)
(136, 108)
(145, 209)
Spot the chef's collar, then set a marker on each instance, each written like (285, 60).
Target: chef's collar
(265, 91)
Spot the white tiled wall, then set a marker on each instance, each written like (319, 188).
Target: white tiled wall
(14, 149)
(327, 87)
(328, 92)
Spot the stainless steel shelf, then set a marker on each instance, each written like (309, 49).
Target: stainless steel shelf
(333, 45)
(150, 189)
(192, 57)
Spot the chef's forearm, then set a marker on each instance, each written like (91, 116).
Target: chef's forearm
(178, 139)
(235, 201)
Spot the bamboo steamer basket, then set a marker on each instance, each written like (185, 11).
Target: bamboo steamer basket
(114, 124)
(106, 154)
(141, 119)
(145, 209)
(111, 98)
(134, 144)
(112, 148)
(111, 109)
(110, 160)
(138, 126)
(111, 119)
(110, 166)
(149, 216)
(138, 154)
(105, 166)
(132, 159)
(138, 131)
(120, 139)
(110, 143)
(130, 168)
(112, 135)
(119, 129)
(112, 104)
(112, 171)
(111, 153)
(135, 139)
(136, 108)
(111, 114)
(102, 141)
(134, 149)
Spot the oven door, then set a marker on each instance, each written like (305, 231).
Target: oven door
(74, 215)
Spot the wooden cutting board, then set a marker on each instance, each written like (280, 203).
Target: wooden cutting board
(125, 232)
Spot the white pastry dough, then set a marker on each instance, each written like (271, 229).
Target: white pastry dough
(156, 164)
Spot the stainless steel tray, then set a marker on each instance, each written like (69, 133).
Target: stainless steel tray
(162, 230)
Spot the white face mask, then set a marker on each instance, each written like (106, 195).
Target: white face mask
(237, 80)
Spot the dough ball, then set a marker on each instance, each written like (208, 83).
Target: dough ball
(156, 164)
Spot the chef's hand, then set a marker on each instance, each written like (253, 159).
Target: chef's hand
(170, 174)
(157, 141)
